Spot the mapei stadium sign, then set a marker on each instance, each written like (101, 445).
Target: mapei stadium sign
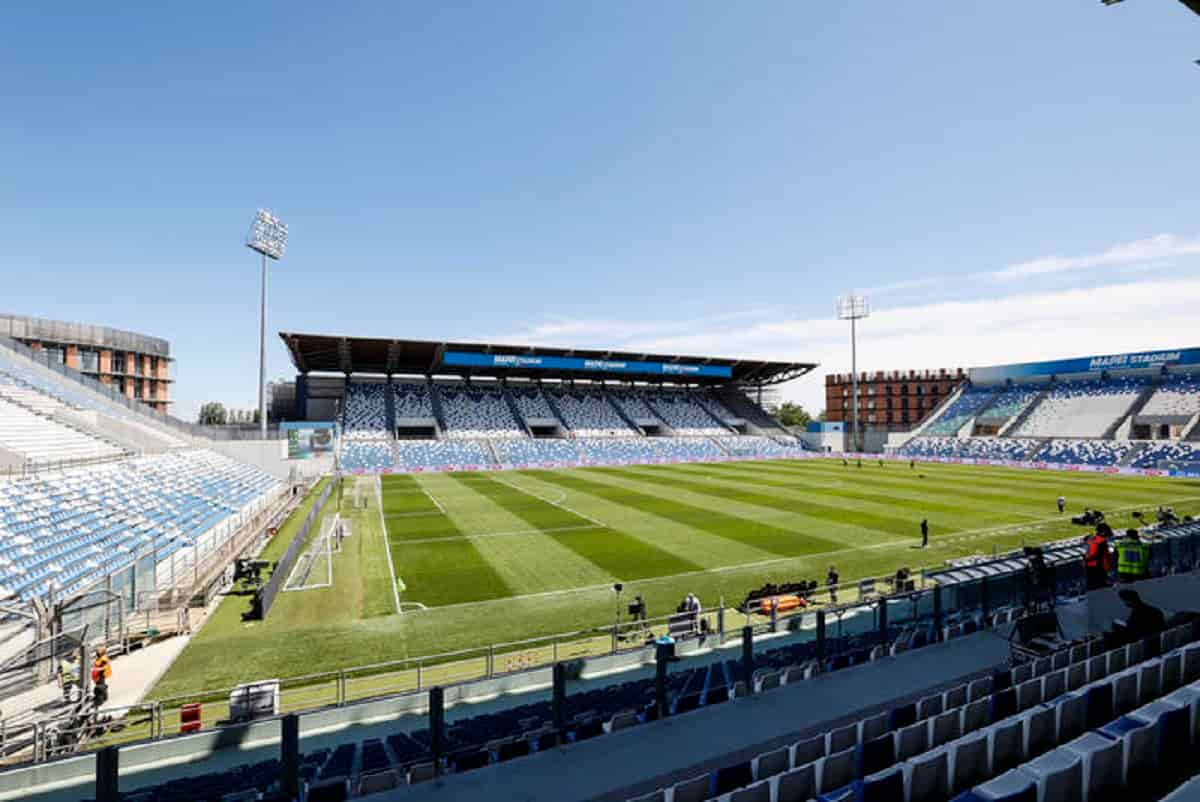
(467, 359)
(1089, 364)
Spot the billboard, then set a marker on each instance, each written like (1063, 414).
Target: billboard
(467, 359)
(308, 439)
(1139, 360)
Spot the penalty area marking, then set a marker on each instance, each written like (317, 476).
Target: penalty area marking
(383, 531)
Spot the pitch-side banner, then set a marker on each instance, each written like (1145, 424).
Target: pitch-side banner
(466, 359)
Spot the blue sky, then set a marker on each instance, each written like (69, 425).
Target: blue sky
(1010, 181)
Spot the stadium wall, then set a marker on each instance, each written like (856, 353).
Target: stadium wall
(271, 456)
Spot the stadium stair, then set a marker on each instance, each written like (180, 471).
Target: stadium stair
(707, 411)
(1191, 430)
(435, 398)
(621, 413)
(389, 401)
(490, 448)
(757, 420)
(53, 410)
(550, 402)
(1127, 419)
(1016, 422)
(667, 429)
(937, 411)
(515, 410)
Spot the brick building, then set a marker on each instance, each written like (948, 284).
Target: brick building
(896, 400)
(136, 365)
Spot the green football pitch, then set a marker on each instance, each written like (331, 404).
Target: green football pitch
(480, 558)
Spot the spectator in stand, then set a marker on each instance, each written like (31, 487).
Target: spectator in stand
(1143, 621)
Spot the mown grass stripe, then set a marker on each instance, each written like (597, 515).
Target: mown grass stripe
(621, 555)
(755, 533)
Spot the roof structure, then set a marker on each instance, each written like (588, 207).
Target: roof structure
(323, 353)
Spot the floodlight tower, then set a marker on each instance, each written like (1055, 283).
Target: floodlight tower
(854, 308)
(268, 235)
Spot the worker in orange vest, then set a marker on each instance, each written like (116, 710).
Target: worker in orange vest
(1098, 559)
(101, 672)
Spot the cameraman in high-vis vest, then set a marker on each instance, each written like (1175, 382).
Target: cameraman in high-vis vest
(1133, 557)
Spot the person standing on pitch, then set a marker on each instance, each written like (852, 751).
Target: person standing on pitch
(924, 533)
(1062, 504)
(831, 582)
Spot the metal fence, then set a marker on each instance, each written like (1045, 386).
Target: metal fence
(284, 566)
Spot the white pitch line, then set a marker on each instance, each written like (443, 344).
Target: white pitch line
(384, 534)
(558, 504)
(436, 503)
(970, 534)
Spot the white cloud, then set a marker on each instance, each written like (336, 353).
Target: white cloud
(1022, 327)
(1155, 250)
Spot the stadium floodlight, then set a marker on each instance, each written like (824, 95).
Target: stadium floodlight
(854, 308)
(268, 235)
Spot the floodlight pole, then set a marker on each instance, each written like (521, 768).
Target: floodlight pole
(262, 355)
(853, 308)
(268, 236)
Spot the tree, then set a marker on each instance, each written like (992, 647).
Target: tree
(824, 416)
(793, 414)
(213, 414)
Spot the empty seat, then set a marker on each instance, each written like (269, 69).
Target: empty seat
(842, 738)
(1012, 786)
(766, 682)
(376, 783)
(730, 778)
(979, 688)
(835, 770)
(929, 706)
(1116, 661)
(883, 786)
(1071, 717)
(1174, 724)
(1097, 668)
(758, 792)
(1172, 672)
(1060, 660)
(1077, 676)
(809, 751)
(797, 785)
(944, 728)
(876, 754)
(1101, 765)
(1004, 704)
(1139, 748)
(1079, 653)
(902, 716)
(1054, 685)
(968, 761)
(1029, 694)
(976, 715)
(1042, 666)
(1022, 673)
(928, 776)
(955, 697)
(912, 740)
(1059, 774)
(1099, 705)
(1006, 742)
(693, 790)
(1191, 663)
(768, 764)
(1149, 681)
(873, 726)
(1040, 729)
(1189, 697)
(1125, 691)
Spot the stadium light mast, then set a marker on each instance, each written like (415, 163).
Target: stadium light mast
(268, 235)
(854, 308)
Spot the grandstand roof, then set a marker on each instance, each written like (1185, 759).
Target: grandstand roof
(322, 353)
